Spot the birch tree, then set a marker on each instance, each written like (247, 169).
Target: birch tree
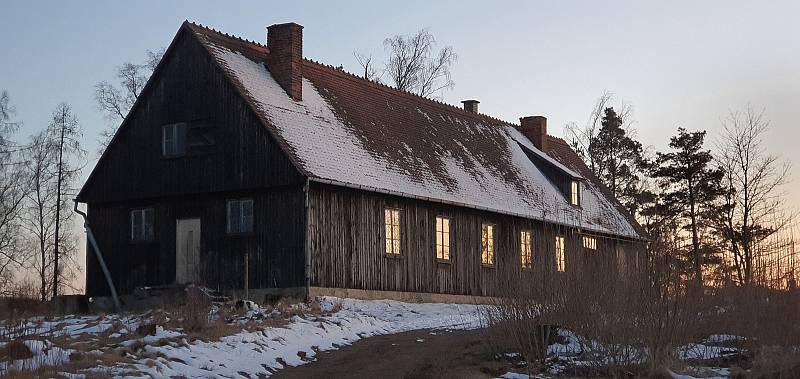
(12, 190)
(413, 64)
(53, 161)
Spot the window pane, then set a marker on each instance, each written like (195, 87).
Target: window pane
(136, 225)
(148, 224)
(525, 249)
(234, 216)
(247, 216)
(392, 232)
(487, 255)
(388, 239)
(167, 140)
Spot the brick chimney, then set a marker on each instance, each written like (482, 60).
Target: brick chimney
(285, 58)
(535, 128)
(471, 106)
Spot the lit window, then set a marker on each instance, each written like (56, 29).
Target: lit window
(239, 216)
(392, 223)
(173, 140)
(525, 250)
(443, 238)
(575, 193)
(561, 264)
(589, 243)
(487, 244)
(142, 224)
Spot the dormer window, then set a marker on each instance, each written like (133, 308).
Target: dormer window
(575, 193)
(173, 140)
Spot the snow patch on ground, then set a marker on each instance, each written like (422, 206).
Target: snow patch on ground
(271, 349)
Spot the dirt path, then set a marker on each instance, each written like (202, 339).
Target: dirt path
(416, 354)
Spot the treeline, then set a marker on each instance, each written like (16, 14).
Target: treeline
(38, 243)
(713, 204)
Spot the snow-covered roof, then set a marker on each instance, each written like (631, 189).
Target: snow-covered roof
(351, 132)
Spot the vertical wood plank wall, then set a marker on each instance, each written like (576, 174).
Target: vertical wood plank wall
(348, 251)
(274, 249)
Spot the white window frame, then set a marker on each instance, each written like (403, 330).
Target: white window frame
(243, 208)
(443, 238)
(561, 254)
(139, 231)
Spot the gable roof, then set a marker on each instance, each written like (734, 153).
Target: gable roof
(352, 132)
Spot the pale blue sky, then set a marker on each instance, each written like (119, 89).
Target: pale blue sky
(681, 63)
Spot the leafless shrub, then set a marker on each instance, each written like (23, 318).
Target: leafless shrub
(619, 323)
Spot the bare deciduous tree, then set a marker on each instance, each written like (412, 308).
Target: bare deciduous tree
(754, 193)
(12, 190)
(39, 213)
(115, 101)
(367, 63)
(413, 65)
(53, 160)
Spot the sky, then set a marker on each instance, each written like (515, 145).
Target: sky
(678, 63)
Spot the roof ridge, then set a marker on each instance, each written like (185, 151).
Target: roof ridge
(382, 86)
(245, 40)
(374, 83)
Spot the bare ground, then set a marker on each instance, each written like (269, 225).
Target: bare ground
(415, 354)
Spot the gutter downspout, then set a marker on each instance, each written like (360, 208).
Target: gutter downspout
(306, 244)
(99, 255)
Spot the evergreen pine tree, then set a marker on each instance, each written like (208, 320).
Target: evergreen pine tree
(618, 159)
(691, 189)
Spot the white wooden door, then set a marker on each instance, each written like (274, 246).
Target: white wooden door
(187, 251)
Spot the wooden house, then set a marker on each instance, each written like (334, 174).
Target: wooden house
(244, 165)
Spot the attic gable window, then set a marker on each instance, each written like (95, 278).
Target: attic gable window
(575, 193)
(239, 216)
(487, 245)
(561, 261)
(392, 224)
(142, 225)
(525, 250)
(173, 140)
(442, 238)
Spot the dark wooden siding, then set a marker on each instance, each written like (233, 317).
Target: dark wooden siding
(275, 248)
(237, 151)
(230, 154)
(348, 251)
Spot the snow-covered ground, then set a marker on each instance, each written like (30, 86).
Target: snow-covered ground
(259, 351)
(257, 341)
